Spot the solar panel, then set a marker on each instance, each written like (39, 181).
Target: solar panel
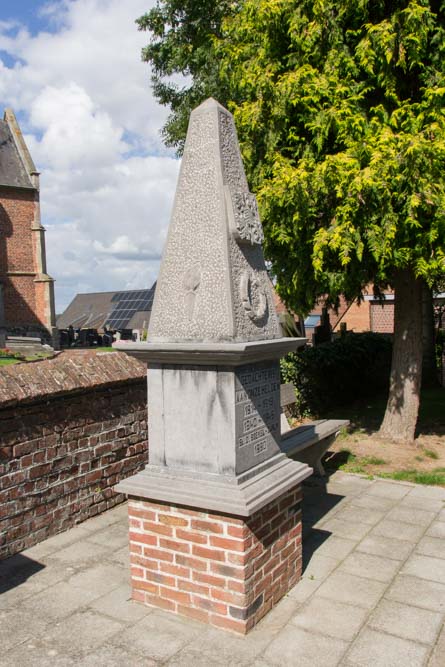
(126, 304)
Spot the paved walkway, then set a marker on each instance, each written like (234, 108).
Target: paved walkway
(372, 593)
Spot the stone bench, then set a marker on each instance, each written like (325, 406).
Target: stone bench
(309, 442)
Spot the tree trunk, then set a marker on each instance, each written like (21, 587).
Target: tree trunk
(399, 422)
(429, 367)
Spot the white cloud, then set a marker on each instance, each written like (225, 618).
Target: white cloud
(92, 127)
(75, 130)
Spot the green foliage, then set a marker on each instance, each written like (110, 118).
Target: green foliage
(343, 129)
(339, 106)
(335, 374)
(182, 37)
(435, 477)
(349, 462)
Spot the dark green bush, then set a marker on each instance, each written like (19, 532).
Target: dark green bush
(337, 373)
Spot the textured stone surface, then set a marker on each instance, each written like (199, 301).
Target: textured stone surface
(336, 619)
(213, 284)
(378, 649)
(296, 646)
(406, 621)
(419, 592)
(426, 567)
(104, 628)
(369, 566)
(438, 656)
(231, 417)
(385, 547)
(407, 532)
(350, 589)
(215, 341)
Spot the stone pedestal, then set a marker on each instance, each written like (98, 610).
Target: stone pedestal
(221, 569)
(215, 526)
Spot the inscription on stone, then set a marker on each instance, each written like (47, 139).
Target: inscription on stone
(257, 409)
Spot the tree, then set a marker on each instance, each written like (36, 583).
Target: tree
(183, 35)
(339, 106)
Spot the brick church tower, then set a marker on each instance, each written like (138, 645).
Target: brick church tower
(26, 290)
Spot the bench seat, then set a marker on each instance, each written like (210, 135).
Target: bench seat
(310, 442)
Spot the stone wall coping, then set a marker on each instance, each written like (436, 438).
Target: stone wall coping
(211, 354)
(68, 372)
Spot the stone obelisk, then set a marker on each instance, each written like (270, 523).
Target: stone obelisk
(218, 500)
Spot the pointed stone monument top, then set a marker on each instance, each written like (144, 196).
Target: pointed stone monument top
(213, 285)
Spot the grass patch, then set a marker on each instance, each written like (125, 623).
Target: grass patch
(372, 461)
(355, 469)
(434, 478)
(343, 433)
(8, 362)
(431, 454)
(348, 462)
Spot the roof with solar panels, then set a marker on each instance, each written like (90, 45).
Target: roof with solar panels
(113, 311)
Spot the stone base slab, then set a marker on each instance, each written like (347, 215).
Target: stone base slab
(240, 495)
(224, 570)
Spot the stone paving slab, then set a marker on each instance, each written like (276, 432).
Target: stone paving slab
(379, 649)
(372, 593)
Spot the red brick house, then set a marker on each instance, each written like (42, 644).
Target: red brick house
(26, 290)
(370, 314)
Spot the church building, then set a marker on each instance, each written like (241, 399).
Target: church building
(26, 290)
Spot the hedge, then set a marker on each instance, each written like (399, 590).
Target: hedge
(337, 373)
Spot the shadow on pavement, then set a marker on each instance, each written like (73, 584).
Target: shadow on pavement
(317, 502)
(16, 570)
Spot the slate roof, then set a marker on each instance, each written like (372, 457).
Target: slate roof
(12, 170)
(118, 310)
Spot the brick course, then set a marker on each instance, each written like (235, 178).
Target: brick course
(223, 570)
(65, 444)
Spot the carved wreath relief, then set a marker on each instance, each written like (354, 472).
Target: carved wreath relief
(253, 297)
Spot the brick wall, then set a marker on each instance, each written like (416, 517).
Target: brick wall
(17, 209)
(382, 317)
(356, 317)
(17, 254)
(224, 570)
(70, 428)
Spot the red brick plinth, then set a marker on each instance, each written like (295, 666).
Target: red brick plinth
(224, 570)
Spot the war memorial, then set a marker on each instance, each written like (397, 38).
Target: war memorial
(215, 520)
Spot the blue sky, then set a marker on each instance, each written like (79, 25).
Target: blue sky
(71, 71)
(25, 11)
